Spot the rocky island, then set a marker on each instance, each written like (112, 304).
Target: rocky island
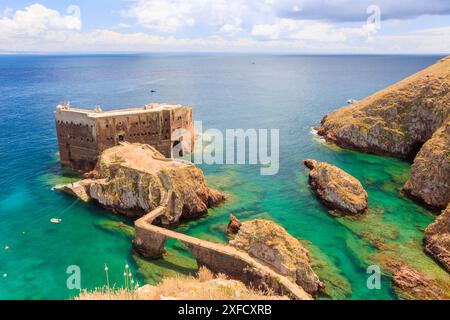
(134, 179)
(337, 189)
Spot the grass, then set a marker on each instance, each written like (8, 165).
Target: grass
(205, 286)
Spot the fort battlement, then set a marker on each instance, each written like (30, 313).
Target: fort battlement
(83, 134)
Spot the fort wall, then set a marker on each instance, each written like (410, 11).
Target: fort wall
(84, 134)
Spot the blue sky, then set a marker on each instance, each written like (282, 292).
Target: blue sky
(291, 26)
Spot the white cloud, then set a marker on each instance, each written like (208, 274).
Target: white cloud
(170, 16)
(162, 15)
(232, 25)
(310, 30)
(123, 26)
(36, 20)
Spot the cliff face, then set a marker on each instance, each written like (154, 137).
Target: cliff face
(134, 179)
(397, 121)
(430, 172)
(270, 243)
(336, 188)
(437, 239)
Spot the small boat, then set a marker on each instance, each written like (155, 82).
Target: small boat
(351, 101)
(55, 220)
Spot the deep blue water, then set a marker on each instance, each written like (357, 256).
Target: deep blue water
(288, 92)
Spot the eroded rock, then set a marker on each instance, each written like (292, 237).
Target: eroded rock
(336, 188)
(430, 172)
(234, 225)
(134, 179)
(437, 239)
(397, 121)
(270, 243)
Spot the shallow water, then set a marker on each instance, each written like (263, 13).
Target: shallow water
(290, 93)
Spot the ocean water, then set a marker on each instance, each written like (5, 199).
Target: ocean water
(287, 92)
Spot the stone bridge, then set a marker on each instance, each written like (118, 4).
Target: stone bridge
(219, 258)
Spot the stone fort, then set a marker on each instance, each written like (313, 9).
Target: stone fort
(84, 134)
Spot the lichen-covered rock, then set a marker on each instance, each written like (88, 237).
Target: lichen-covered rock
(397, 121)
(134, 179)
(430, 172)
(270, 243)
(336, 188)
(437, 239)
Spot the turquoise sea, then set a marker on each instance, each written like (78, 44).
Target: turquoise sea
(287, 92)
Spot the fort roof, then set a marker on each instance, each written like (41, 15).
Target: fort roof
(98, 113)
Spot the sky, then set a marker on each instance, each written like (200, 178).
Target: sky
(282, 26)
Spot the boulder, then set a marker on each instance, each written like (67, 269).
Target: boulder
(270, 243)
(437, 239)
(336, 189)
(234, 225)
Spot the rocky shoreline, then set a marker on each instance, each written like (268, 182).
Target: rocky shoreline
(398, 121)
(409, 120)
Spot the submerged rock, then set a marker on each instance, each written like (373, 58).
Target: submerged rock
(234, 225)
(412, 285)
(134, 179)
(270, 243)
(336, 188)
(437, 239)
(397, 121)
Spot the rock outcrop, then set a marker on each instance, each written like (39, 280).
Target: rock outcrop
(410, 284)
(397, 121)
(134, 179)
(430, 172)
(271, 244)
(336, 188)
(437, 239)
(234, 225)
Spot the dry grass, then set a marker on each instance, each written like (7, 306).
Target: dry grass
(206, 286)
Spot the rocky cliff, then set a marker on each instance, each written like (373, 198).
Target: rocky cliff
(336, 188)
(397, 121)
(430, 172)
(437, 239)
(270, 243)
(134, 179)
